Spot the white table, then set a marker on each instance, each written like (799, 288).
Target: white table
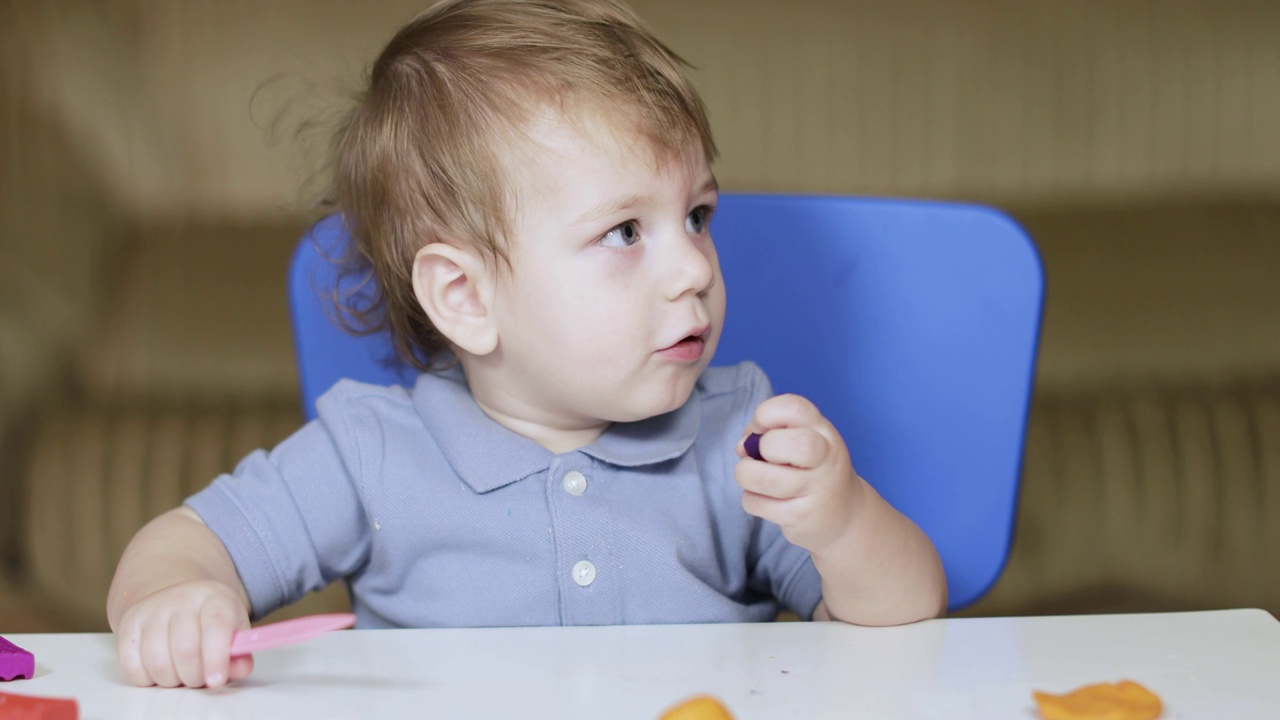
(1221, 664)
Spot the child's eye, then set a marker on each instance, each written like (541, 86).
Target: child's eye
(624, 235)
(696, 222)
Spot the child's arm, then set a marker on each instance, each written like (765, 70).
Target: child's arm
(877, 567)
(174, 604)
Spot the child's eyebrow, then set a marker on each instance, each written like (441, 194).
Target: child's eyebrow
(613, 206)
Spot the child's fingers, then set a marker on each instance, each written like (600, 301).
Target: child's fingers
(241, 667)
(799, 447)
(129, 653)
(773, 509)
(795, 516)
(216, 630)
(770, 480)
(785, 411)
(157, 659)
(184, 646)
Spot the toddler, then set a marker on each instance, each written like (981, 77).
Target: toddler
(529, 184)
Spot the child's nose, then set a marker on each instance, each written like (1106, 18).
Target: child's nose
(692, 267)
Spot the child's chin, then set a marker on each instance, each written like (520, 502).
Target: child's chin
(661, 405)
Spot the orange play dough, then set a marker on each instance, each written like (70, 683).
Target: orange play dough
(1125, 700)
(31, 707)
(699, 708)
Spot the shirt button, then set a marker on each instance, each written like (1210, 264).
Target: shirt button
(575, 483)
(584, 573)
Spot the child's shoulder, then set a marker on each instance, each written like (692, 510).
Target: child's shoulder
(351, 397)
(347, 398)
(354, 391)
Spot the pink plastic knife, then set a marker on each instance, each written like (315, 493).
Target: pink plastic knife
(287, 632)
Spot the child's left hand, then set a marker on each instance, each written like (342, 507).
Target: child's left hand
(806, 483)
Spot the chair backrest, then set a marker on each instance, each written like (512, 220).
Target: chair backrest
(912, 325)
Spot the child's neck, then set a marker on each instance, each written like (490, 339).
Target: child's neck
(557, 440)
(555, 433)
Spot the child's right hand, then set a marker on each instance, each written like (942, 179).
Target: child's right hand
(181, 635)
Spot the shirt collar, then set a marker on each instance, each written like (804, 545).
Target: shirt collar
(653, 440)
(487, 456)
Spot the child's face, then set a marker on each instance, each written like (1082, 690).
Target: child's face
(615, 303)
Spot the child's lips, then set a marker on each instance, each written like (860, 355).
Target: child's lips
(688, 350)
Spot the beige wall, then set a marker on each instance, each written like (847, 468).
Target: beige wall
(136, 118)
(1009, 100)
(1136, 139)
(1182, 291)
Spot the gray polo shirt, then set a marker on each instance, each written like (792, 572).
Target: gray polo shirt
(437, 516)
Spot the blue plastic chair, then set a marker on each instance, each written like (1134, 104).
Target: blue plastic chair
(912, 325)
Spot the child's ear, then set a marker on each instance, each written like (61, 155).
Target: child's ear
(455, 289)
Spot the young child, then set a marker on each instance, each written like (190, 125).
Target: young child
(530, 184)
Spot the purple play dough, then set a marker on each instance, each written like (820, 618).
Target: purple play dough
(15, 662)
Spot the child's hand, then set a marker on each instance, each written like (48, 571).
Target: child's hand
(181, 635)
(806, 483)
(877, 567)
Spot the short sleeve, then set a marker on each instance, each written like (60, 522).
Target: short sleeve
(778, 567)
(292, 519)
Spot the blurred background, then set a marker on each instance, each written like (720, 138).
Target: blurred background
(158, 161)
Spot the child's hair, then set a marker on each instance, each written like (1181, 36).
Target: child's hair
(421, 157)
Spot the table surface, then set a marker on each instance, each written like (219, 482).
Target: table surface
(1216, 664)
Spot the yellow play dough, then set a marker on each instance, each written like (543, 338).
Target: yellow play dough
(699, 708)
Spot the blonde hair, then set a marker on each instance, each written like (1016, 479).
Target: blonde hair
(421, 157)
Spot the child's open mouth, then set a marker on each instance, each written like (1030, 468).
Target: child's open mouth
(687, 350)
